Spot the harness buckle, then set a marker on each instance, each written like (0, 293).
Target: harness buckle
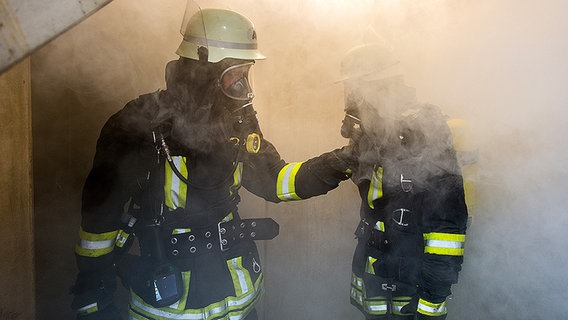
(386, 287)
(400, 221)
(223, 243)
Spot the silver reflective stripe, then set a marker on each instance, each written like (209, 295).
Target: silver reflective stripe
(95, 245)
(87, 307)
(205, 314)
(432, 310)
(357, 296)
(240, 275)
(382, 307)
(286, 192)
(220, 44)
(445, 244)
(176, 182)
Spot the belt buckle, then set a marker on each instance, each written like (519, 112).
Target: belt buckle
(223, 243)
(386, 287)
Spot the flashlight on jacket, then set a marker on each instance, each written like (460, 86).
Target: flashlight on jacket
(246, 132)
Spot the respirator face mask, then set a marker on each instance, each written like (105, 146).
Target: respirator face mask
(235, 84)
(351, 124)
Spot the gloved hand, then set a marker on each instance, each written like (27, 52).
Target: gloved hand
(411, 306)
(93, 295)
(346, 158)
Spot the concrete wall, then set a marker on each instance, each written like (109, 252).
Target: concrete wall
(26, 25)
(17, 298)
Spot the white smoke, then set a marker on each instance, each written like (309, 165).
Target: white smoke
(499, 64)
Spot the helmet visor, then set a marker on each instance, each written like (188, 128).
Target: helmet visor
(235, 82)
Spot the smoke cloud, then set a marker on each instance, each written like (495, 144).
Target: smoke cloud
(498, 64)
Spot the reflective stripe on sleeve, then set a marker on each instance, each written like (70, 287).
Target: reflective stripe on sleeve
(90, 308)
(450, 244)
(285, 185)
(375, 187)
(95, 244)
(431, 309)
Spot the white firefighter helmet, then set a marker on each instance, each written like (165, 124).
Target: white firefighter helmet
(369, 62)
(224, 33)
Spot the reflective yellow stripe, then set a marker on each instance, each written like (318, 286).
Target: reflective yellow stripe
(372, 305)
(286, 183)
(95, 244)
(91, 308)
(232, 307)
(181, 230)
(121, 238)
(237, 176)
(375, 187)
(450, 244)
(241, 277)
(431, 309)
(175, 190)
(379, 226)
(369, 265)
(356, 281)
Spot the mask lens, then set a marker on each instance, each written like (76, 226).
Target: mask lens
(235, 82)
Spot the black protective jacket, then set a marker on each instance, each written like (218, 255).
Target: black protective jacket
(131, 173)
(413, 217)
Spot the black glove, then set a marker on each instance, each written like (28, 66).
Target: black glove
(411, 306)
(345, 159)
(93, 294)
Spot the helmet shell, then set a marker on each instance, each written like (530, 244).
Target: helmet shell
(225, 33)
(369, 62)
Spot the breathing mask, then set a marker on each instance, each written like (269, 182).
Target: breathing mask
(235, 84)
(351, 124)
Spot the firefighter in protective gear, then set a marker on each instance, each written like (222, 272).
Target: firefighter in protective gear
(413, 214)
(167, 171)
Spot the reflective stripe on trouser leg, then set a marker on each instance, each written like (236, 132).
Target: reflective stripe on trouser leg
(371, 305)
(232, 307)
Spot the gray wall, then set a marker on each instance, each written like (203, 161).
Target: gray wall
(499, 64)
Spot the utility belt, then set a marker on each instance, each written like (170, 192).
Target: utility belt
(219, 237)
(156, 275)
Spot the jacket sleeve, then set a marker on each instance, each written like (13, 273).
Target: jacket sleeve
(108, 187)
(444, 221)
(268, 176)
